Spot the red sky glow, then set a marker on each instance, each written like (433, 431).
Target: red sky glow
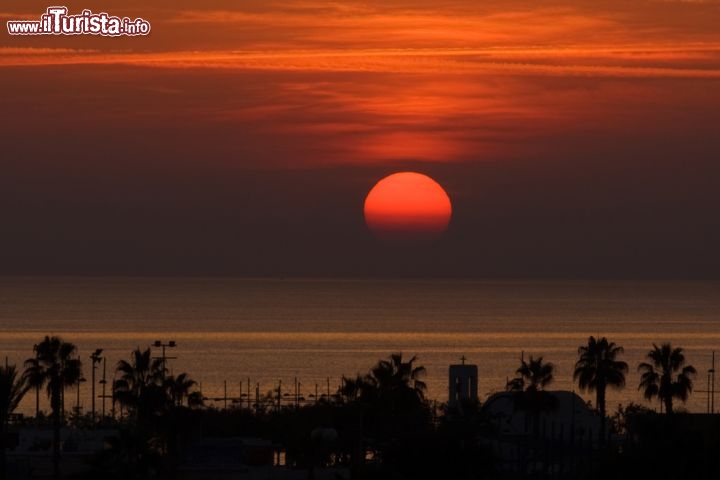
(243, 137)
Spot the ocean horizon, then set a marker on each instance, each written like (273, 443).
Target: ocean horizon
(242, 332)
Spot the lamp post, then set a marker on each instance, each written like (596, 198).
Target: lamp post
(170, 344)
(711, 372)
(96, 358)
(77, 400)
(257, 397)
(37, 387)
(103, 382)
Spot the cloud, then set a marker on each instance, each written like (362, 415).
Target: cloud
(39, 52)
(384, 82)
(612, 39)
(18, 16)
(697, 61)
(559, 127)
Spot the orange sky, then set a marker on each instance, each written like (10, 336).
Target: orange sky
(262, 86)
(388, 72)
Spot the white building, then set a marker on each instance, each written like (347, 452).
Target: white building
(551, 442)
(462, 384)
(570, 420)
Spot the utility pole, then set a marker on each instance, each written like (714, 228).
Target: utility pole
(37, 387)
(96, 358)
(164, 358)
(77, 399)
(103, 382)
(257, 397)
(712, 386)
(708, 391)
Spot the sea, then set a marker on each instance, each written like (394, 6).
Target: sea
(236, 336)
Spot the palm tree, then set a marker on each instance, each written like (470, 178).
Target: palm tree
(529, 387)
(354, 388)
(597, 368)
(181, 390)
(392, 384)
(140, 386)
(12, 391)
(667, 377)
(387, 405)
(55, 366)
(393, 374)
(534, 375)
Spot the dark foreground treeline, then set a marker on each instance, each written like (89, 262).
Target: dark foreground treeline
(376, 426)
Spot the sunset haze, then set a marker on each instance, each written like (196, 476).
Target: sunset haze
(575, 138)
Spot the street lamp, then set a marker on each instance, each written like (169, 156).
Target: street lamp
(170, 344)
(37, 387)
(96, 358)
(77, 400)
(711, 387)
(103, 382)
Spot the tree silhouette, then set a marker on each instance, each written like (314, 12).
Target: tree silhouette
(12, 391)
(597, 368)
(156, 405)
(529, 388)
(387, 405)
(393, 375)
(533, 375)
(390, 380)
(357, 388)
(666, 377)
(144, 389)
(140, 386)
(181, 391)
(56, 366)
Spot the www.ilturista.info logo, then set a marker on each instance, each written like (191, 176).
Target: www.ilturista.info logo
(57, 22)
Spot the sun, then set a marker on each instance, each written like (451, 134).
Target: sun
(407, 207)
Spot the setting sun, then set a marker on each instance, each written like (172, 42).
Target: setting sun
(407, 206)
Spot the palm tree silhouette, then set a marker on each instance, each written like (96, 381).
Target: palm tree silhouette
(140, 386)
(12, 391)
(56, 366)
(153, 400)
(533, 375)
(597, 368)
(667, 377)
(529, 388)
(392, 385)
(181, 391)
(393, 374)
(387, 405)
(357, 388)
(144, 389)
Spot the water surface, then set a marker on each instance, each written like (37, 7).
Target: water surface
(266, 330)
